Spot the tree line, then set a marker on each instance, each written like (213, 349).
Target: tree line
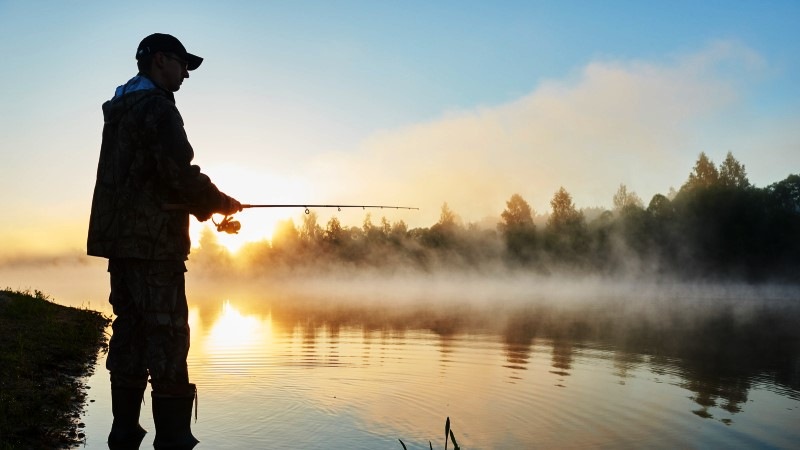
(716, 225)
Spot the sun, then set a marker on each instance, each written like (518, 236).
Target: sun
(251, 186)
(255, 226)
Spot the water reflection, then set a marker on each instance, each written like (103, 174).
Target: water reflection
(307, 374)
(225, 341)
(309, 333)
(716, 352)
(562, 357)
(625, 364)
(518, 340)
(233, 331)
(446, 349)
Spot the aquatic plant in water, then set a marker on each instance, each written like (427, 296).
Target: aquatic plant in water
(448, 433)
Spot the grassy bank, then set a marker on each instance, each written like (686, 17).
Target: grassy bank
(46, 350)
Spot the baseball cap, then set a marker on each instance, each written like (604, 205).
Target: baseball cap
(159, 42)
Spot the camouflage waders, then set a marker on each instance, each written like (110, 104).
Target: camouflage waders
(151, 331)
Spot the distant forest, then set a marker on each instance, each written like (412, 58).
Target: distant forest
(717, 225)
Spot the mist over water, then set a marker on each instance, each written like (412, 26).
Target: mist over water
(366, 356)
(466, 300)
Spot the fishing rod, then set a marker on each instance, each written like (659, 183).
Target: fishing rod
(230, 226)
(339, 207)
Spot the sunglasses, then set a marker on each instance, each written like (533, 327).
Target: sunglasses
(183, 63)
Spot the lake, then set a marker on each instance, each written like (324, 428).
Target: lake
(514, 362)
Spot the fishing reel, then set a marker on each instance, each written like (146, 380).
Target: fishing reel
(228, 225)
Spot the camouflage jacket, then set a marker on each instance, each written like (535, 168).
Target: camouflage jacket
(145, 163)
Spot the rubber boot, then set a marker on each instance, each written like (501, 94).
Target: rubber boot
(172, 414)
(126, 433)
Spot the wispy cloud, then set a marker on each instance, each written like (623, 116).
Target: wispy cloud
(611, 122)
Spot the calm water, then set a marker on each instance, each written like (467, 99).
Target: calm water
(301, 370)
(514, 362)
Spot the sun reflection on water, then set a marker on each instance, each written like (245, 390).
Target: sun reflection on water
(234, 332)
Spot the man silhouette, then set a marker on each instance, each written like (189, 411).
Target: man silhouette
(145, 164)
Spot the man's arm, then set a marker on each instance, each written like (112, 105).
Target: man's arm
(188, 181)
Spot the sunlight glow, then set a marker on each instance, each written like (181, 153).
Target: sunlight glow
(235, 332)
(254, 186)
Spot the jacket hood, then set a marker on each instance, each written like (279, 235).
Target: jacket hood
(128, 94)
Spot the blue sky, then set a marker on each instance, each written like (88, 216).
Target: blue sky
(404, 102)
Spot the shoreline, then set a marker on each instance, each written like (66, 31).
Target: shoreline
(51, 350)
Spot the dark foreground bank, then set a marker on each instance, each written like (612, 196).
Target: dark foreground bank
(46, 351)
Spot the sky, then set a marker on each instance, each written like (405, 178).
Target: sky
(413, 103)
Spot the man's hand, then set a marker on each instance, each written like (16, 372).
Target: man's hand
(202, 216)
(230, 205)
